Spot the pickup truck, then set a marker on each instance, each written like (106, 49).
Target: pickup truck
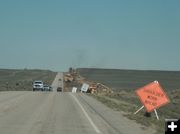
(38, 86)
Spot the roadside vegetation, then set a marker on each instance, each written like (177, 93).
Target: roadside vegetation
(131, 79)
(21, 80)
(127, 102)
(123, 99)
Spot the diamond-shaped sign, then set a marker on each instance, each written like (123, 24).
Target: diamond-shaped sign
(152, 96)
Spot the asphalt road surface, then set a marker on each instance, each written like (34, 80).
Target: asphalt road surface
(60, 113)
(58, 82)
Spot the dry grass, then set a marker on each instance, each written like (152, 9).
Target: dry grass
(128, 102)
(125, 82)
(22, 79)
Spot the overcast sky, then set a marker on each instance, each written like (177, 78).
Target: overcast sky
(57, 34)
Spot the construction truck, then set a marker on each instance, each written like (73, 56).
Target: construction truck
(68, 78)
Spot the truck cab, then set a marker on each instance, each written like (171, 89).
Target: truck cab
(38, 86)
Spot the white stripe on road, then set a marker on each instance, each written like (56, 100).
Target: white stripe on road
(85, 113)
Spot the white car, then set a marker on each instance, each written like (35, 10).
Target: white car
(38, 85)
(47, 88)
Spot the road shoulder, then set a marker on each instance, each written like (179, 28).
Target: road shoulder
(113, 119)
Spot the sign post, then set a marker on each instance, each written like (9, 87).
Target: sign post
(152, 97)
(139, 110)
(156, 114)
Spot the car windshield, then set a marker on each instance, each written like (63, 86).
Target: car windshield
(38, 82)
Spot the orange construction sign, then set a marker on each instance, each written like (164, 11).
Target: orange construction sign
(152, 96)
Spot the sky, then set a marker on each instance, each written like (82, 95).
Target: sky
(120, 34)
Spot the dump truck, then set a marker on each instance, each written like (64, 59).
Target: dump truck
(68, 78)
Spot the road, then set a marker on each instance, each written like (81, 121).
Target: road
(60, 113)
(58, 82)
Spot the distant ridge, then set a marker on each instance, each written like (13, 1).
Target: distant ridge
(21, 79)
(131, 79)
(128, 69)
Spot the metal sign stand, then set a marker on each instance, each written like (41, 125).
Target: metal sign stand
(143, 107)
(156, 114)
(139, 109)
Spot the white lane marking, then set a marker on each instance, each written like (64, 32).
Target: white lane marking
(87, 116)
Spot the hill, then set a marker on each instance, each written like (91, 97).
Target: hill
(131, 79)
(12, 79)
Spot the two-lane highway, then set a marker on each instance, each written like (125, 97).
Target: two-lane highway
(58, 82)
(60, 113)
